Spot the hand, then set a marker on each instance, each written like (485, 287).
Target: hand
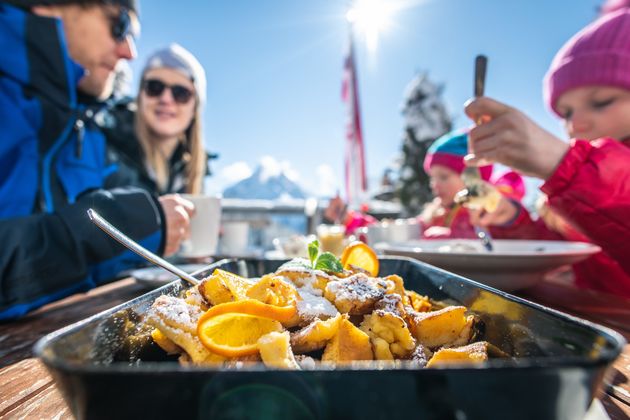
(336, 210)
(437, 232)
(506, 211)
(509, 137)
(177, 212)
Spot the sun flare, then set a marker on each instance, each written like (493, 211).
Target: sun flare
(370, 17)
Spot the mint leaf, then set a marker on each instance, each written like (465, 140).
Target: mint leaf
(313, 251)
(328, 262)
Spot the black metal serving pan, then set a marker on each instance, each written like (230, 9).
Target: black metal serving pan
(558, 365)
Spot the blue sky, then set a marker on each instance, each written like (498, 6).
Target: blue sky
(274, 71)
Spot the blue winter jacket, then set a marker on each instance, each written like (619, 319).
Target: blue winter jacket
(52, 168)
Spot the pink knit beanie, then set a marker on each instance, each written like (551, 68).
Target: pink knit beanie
(610, 6)
(597, 55)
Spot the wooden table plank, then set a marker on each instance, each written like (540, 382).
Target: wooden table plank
(18, 337)
(48, 404)
(21, 382)
(616, 410)
(28, 390)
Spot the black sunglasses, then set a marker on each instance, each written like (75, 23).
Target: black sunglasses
(155, 88)
(120, 25)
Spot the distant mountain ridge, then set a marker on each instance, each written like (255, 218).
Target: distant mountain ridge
(263, 185)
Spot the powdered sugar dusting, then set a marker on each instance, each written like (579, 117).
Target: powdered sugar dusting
(194, 297)
(307, 286)
(359, 288)
(176, 312)
(312, 306)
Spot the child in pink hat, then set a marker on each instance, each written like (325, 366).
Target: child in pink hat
(587, 180)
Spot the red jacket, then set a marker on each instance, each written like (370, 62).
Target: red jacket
(590, 188)
(455, 223)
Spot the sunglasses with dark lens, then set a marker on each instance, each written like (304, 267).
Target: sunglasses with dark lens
(154, 88)
(120, 25)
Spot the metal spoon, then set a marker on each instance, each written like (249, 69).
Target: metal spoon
(108, 228)
(471, 174)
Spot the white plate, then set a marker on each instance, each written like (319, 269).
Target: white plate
(157, 276)
(512, 265)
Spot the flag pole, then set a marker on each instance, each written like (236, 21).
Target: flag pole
(354, 162)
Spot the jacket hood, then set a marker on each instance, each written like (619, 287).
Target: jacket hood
(35, 55)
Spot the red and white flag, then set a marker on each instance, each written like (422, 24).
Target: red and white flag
(356, 181)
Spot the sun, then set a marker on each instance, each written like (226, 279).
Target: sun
(369, 18)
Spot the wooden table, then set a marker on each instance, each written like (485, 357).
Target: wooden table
(28, 391)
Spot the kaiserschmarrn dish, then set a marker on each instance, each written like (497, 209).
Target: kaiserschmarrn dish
(313, 312)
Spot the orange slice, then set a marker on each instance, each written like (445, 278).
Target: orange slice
(360, 255)
(234, 334)
(253, 307)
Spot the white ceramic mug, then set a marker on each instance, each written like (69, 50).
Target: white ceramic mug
(204, 227)
(235, 239)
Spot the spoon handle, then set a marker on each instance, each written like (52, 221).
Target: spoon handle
(107, 227)
(479, 86)
(481, 62)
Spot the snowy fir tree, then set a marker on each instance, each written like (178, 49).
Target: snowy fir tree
(426, 119)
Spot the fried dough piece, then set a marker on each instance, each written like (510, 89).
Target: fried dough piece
(391, 303)
(301, 274)
(223, 286)
(418, 302)
(355, 295)
(273, 290)
(165, 343)
(472, 353)
(177, 320)
(194, 297)
(389, 335)
(478, 194)
(275, 350)
(396, 285)
(350, 343)
(447, 327)
(316, 335)
(312, 307)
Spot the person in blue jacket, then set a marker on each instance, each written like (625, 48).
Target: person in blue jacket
(57, 61)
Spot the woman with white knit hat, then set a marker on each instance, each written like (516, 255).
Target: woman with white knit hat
(164, 153)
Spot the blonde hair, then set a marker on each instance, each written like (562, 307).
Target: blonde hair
(194, 155)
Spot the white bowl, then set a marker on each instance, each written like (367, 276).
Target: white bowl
(512, 265)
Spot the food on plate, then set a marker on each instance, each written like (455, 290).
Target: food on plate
(461, 247)
(311, 312)
(478, 194)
